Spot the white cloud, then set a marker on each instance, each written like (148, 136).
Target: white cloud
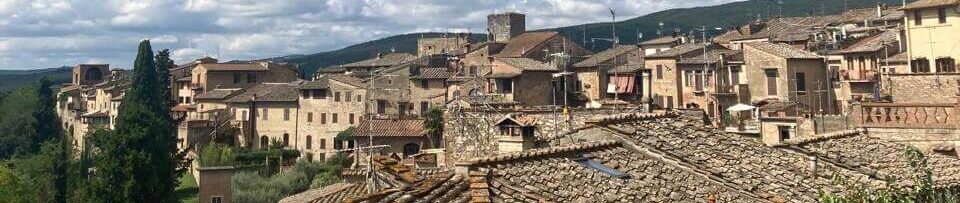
(50, 33)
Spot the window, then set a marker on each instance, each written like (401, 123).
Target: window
(309, 157)
(698, 81)
(771, 82)
(659, 71)
(265, 115)
(251, 78)
(920, 65)
(323, 143)
(236, 78)
(286, 114)
(286, 140)
(336, 96)
(942, 15)
(323, 118)
(351, 118)
(347, 96)
(309, 142)
(784, 132)
(424, 106)
(359, 98)
(506, 85)
(801, 83)
(333, 118)
(918, 17)
(473, 70)
(216, 199)
(264, 142)
(687, 78)
(381, 106)
(309, 117)
(669, 102)
(245, 114)
(735, 75)
(946, 65)
(319, 94)
(425, 84)
(306, 94)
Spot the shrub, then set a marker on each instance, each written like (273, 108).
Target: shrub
(921, 191)
(217, 155)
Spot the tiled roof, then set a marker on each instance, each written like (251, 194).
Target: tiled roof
(268, 92)
(873, 43)
(332, 69)
(627, 68)
(606, 55)
(525, 42)
(661, 40)
(929, 3)
(234, 66)
(216, 94)
(526, 64)
(712, 56)
(678, 50)
(782, 29)
(313, 85)
(899, 58)
(866, 14)
(434, 73)
(391, 128)
(350, 80)
(390, 59)
(185, 79)
(783, 50)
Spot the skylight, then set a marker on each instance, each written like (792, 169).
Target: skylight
(590, 163)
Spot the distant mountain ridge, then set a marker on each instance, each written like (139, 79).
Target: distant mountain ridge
(12, 79)
(685, 19)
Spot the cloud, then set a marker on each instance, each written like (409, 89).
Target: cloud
(51, 33)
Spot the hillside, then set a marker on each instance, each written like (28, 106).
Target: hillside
(722, 16)
(399, 43)
(12, 79)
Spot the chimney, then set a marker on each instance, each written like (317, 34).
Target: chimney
(880, 10)
(379, 55)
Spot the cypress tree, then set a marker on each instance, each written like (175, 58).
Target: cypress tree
(164, 63)
(137, 161)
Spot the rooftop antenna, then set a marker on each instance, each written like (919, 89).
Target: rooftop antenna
(613, 25)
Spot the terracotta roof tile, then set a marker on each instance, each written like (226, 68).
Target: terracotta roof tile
(526, 64)
(606, 55)
(391, 128)
(929, 3)
(268, 92)
(525, 42)
(661, 40)
(873, 43)
(234, 66)
(677, 51)
(350, 80)
(783, 50)
(434, 73)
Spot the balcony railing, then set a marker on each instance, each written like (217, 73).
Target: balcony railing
(905, 115)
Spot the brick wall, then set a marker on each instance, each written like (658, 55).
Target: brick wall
(922, 88)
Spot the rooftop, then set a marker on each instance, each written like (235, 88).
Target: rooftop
(267, 92)
(606, 55)
(390, 59)
(661, 40)
(929, 3)
(873, 43)
(391, 128)
(783, 50)
(525, 42)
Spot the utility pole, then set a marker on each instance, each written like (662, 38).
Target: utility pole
(613, 25)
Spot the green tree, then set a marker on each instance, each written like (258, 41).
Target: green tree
(433, 122)
(164, 64)
(17, 128)
(138, 162)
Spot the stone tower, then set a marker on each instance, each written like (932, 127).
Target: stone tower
(503, 26)
(88, 74)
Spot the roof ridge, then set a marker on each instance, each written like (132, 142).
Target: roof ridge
(541, 152)
(625, 117)
(822, 137)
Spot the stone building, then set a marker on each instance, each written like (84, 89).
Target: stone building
(648, 158)
(783, 73)
(522, 80)
(207, 76)
(454, 44)
(666, 74)
(663, 43)
(859, 68)
(504, 26)
(405, 137)
(931, 35)
(327, 106)
(90, 101)
(595, 74)
(363, 69)
(710, 81)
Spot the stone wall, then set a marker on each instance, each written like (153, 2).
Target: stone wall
(471, 133)
(925, 139)
(922, 88)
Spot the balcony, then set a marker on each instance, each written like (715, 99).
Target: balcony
(859, 76)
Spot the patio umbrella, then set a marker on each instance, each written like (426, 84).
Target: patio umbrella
(741, 107)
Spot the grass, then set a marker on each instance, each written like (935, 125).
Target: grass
(188, 190)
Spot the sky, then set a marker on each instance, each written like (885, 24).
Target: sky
(52, 33)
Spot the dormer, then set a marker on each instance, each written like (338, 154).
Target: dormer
(515, 133)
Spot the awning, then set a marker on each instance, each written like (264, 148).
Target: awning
(621, 84)
(741, 107)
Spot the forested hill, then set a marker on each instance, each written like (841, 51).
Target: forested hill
(12, 79)
(722, 16)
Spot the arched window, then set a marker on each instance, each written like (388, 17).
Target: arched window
(286, 140)
(474, 92)
(93, 74)
(410, 149)
(264, 142)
